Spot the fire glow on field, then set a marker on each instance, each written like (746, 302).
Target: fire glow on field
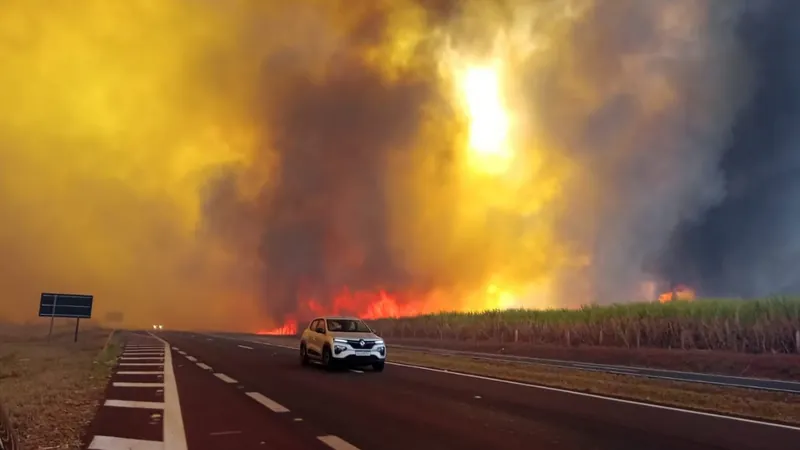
(381, 304)
(681, 292)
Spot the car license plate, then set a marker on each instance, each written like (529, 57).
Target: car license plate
(362, 352)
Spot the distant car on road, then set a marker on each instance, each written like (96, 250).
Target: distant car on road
(344, 341)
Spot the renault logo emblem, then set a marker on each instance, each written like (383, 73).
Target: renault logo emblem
(361, 342)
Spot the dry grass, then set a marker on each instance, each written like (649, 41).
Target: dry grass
(51, 390)
(770, 406)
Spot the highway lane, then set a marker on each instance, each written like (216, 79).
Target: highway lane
(407, 407)
(789, 387)
(693, 377)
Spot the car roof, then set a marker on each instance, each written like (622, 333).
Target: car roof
(338, 318)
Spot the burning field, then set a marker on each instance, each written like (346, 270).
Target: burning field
(249, 164)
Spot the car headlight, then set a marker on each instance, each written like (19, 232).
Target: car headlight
(379, 342)
(343, 341)
(161, 327)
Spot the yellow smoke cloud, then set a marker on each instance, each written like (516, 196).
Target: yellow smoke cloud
(121, 119)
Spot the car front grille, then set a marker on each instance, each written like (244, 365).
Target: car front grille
(355, 343)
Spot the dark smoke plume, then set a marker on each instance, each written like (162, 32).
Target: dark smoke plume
(749, 245)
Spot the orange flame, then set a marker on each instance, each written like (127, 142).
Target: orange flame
(363, 304)
(287, 329)
(681, 292)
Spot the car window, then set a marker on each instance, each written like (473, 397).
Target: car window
(320, 324)
(313, 325)
(348, 326)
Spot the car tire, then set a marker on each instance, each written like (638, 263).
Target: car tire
(378, 367)
(303, 355)
(327, 358)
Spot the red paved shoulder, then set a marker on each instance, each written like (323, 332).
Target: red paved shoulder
(139, 407)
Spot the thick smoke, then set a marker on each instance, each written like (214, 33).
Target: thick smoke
(668, 79)
(632, 101)
(749, 245)
(216, 163)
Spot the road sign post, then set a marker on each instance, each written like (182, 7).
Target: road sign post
(52, 316)
(74, 306)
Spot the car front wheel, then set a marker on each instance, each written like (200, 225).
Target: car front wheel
(303, 355)
(327, 358)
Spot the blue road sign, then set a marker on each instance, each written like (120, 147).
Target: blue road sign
(66, 305)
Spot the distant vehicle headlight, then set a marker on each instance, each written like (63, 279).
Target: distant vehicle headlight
(155, 327)
(161, 327)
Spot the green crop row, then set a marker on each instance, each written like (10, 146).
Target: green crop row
(761, 325)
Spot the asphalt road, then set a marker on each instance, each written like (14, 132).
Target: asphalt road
(406, 407)
(691, 377)
(694, 377)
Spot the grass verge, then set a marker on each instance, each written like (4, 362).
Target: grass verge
(51, 390)
(771, 406)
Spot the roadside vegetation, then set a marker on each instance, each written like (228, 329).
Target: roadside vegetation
(51, 390)
(769, 325)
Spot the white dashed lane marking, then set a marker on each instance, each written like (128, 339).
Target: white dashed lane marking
(117, 443)
(204, 366)
(268, 402)
(245, 347)
(141, 364)
(223, 433)
(134, 404)
(141, 385)
(140, 372)
(336, 443)
(225, 378)
(191, 358)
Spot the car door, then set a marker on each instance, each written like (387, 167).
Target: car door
(314, 344)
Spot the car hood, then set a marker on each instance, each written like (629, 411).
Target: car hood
(345, 335)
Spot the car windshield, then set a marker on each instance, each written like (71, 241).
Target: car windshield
(348, 326)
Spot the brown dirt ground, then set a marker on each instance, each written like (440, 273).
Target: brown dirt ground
(772, 406)
(778, 366)
(51, 390)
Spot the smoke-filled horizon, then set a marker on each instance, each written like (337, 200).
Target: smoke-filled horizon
(232, 165)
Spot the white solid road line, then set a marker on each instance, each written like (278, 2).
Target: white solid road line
(601, 397)
(131, 384)
(115, 443)
(174, 431)
(225, 378)
(336, 443)
(140, 372)
(134, 404)
(268, 402)
(204, 366)
(245, 347)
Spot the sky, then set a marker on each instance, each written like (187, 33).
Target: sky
(238, 164)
